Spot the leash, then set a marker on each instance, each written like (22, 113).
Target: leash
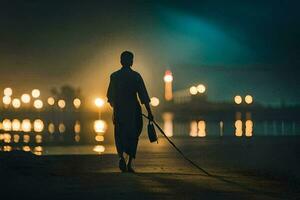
(177, 149)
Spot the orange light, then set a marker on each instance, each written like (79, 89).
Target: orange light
(25, 98)
(77, 103)
(201, 88)
(61, 103)
(99, 102)
(168, 76)
(238, 99)
(51, 101)
(248, 99)
(193, 90)
(154, 101)
(35, 93)
(7, 92)
(16, 103)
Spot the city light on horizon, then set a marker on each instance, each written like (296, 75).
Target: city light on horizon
(154, 101)
(38, 104)
(77, 103)
(193, 90)
(201, 88)
(16, 103)
(51, 101)
(238, 99)
(61, 103)
(25, 98)
(248, 99)
(99, 102)
(7, 91)
(35, 93)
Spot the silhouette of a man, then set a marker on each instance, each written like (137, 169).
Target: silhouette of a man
(125, 84)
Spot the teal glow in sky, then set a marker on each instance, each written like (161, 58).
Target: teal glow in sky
(231, 46)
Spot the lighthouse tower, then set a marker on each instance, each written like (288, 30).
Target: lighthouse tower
(168, 78)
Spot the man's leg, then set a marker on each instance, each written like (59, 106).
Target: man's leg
(119, 147)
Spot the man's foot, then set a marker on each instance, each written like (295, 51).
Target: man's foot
(122, 165)
(130, 169)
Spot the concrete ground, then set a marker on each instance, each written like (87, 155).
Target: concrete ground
(240, 168)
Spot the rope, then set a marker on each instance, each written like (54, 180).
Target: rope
(178, 150)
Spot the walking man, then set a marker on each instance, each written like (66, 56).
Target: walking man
(124, 87)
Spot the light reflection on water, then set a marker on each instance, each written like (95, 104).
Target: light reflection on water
(241, 127)
(34, 135)
(37, 135)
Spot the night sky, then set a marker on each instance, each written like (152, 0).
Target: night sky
(233, 47)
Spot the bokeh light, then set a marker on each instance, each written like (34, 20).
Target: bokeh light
(6, 100)
(154, 101)
(168, 76)
(25, 98)
(16, 103)
(193, 90)
(26, 125)
(51, 128)
(35, 93)
(76, 103)
(201, 88)
(7, 92)
(38, 125)
(61, 128)
(16, 125)
(99, 102)
(100, 126)
(201, 128)
(238, 128)
(38, 104)
(51, 101)
(61, 103)
(99, 149)
(99, 138)
(77, 127)
(6, 125)
(248, 99)
(238, 99)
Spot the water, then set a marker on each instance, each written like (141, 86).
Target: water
(94, 136)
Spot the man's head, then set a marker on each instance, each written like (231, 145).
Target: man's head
(127, 59)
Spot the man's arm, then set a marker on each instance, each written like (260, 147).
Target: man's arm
(150, 116)
(110, 92)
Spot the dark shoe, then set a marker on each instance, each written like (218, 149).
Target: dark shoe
(130, 169)
(122, 165)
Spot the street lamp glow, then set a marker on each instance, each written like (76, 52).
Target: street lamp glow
(26, 126)
(16, 125)
(238, 99)
(99, 148)
(35, 93)
(38, 104)
(77, 103)
(193, 90)
(168, 76)
(100, 126)
(61, 103)
(6, 100)
(38, 125)
(154, 101)
(201, 88)
(25, 98)
(99, 102)
(248, 99)
(6, 125)
(16, 103)
(7, 91)
(51, 101)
